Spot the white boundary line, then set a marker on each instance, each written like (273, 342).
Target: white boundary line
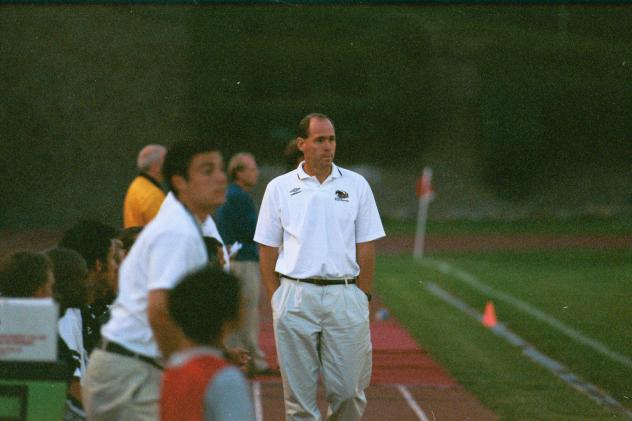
(256, 394)
(411, 402)
(558, 369)
(472, 281)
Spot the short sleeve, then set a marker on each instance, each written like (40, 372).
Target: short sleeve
(228, 397)
(368, 224)
(269, 231)
(172, 256)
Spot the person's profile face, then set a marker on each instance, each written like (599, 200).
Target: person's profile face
(114, 259)
(206, 184)
(249, 175)
(319, 148)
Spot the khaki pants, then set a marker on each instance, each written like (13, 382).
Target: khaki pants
(248, 336)
(322, 330)
(116, 387)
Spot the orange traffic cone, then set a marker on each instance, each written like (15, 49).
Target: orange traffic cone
(489, 316)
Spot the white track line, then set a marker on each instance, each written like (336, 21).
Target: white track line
(256, 393)
(558, 369)
(411, 402)
(471, 280)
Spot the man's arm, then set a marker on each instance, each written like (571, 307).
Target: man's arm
(366, 260)
(267, 262)
(166, 332)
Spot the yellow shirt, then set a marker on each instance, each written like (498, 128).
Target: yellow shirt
(142, 202)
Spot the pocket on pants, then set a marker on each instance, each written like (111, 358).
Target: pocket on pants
(279, 300)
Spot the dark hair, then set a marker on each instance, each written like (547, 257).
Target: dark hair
(22, 273)
(203, 302)
(179, 157)
(292, 154)
(91, 239)
(71, 274)
(212, 245)
(303, 126)
(128, 237)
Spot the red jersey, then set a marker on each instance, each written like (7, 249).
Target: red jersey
(184, 386)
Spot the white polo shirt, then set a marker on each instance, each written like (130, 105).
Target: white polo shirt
(168, 248)
(317, 226)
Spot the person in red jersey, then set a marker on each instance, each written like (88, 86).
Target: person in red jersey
(198, 382)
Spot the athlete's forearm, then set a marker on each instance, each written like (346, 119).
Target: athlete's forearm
(366, 260)
(267, 263)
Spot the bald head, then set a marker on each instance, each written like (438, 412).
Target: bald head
(150, 160)
(243, 170)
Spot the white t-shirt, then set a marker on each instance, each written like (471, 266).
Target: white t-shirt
(70, 329)
(168, 248)
(317, 226)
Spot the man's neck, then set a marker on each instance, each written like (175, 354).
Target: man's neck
(199, 214)
(320, 173)
(153, 174)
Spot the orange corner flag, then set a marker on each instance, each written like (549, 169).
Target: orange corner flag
(489, 316)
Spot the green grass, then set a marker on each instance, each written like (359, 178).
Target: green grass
(590, 291)
(582, 225)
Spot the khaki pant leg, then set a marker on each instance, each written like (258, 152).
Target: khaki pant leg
(120, 388)
(346, 352)
(296, 331)
(248, 336)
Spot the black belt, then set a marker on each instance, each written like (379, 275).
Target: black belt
(323, 282)
(115, 348)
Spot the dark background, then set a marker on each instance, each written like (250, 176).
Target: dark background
(520, 110)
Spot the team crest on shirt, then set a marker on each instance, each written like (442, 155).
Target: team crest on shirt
(342, 196)
(295, 190)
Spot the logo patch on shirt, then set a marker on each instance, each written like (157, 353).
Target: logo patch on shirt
(342, 196)
(295, 190)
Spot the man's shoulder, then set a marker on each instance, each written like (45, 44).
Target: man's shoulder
(141, 185)
(234, 191)
(346, 174)
(172, 218)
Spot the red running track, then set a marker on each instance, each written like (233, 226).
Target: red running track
(406, 383)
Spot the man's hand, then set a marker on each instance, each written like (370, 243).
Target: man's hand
(238, 356)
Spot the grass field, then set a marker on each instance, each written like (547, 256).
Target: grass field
(579, 225)
(590, 291)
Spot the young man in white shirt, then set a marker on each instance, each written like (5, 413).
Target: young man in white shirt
(123, 376)
(316, 229)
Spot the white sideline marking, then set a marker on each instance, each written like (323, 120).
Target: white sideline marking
(411, 402)
(471, 280)
(256, 392)
(558, 369)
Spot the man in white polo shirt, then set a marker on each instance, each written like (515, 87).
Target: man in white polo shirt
(123, 378)
(316, 229)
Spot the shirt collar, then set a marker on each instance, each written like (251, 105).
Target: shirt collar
(152, 180)
(302, 175)
(172, 201)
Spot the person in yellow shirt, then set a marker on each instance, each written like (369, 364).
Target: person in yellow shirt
(145, 195)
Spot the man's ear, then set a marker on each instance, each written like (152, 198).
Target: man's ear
(299, 143)
(98, 266)
(179, 183)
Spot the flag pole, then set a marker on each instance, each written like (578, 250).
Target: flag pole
(425, 195)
